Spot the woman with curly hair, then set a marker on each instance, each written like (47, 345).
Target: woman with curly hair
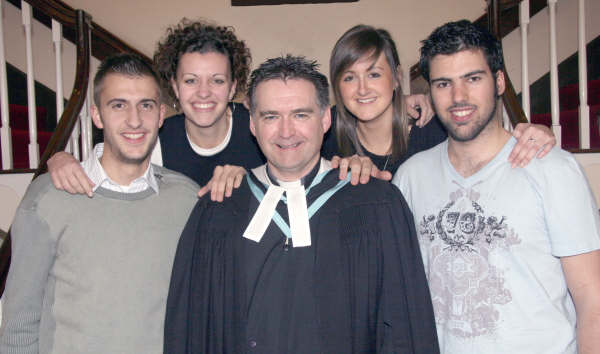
(203, 67)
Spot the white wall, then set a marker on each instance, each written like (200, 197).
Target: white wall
(269, 31)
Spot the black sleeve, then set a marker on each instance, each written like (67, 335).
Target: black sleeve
(407, 311)
(177, 317)
(425, 138)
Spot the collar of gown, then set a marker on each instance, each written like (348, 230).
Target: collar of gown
(295, 195)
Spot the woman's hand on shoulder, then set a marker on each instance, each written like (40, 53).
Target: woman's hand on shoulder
(361, 169)
(419, 102)
(533, 140)
(224, 180)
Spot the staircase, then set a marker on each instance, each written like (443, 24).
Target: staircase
(569, 116)
(20, 134)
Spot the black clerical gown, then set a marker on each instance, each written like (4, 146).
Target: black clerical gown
(359, 288)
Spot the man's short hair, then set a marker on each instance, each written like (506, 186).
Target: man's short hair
(289, 68)
(124, 64)
(457, 36)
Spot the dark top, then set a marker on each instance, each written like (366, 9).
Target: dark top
(359, 288)
(178, 155)
(419, 139)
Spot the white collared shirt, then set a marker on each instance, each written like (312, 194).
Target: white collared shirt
(94, 170)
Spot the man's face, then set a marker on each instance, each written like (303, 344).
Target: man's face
(289, 126)
(464, 92)
(130, 114)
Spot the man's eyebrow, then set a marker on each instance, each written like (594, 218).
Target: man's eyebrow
(116, 100)
(470, 73)
(297, 110)
(268, 113)
(148, 100)
(474, 72)
(303, 110)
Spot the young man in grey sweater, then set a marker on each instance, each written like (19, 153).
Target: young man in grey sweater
(92, 274)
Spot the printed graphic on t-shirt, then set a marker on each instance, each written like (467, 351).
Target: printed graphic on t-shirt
(466, 287)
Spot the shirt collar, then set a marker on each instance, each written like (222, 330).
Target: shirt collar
(93, 168)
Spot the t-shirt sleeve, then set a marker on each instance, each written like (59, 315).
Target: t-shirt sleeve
(570, 209)
(401, 180)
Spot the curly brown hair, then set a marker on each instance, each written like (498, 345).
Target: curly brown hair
(201, 37)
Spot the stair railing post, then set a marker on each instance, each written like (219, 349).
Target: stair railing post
(34, 150)
(524, 23)
(554, 100)
(57, 41)
(584, 109)
(86, 117)
(5, 134)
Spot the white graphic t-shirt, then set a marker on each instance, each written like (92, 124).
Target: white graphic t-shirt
(491, 245)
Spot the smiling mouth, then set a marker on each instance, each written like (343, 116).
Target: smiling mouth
(134, 137)
(366, 100)
(203, 105)
(461, 115)
(288, 146)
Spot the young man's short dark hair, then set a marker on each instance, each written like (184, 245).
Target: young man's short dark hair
(457, 36)
(124, 64)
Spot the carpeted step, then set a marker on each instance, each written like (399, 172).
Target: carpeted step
(569, 121)
(19, 117)
(569, 95)
(19, 124)
(20, 142)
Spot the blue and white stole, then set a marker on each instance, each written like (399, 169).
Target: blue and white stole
(295, 198)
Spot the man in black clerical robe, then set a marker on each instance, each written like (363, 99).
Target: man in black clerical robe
(297, 261)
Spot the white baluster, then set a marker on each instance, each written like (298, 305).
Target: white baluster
(57, 40)
(84, 119)
(524, 23)
(554, 100)
(75, 140)
(5, 136)
(584, 109)
(34, 151)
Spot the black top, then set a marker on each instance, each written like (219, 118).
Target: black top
(419, 139)
(360, 286)
(242, 149)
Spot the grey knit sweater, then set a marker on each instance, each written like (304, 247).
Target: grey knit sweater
(91, 275)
